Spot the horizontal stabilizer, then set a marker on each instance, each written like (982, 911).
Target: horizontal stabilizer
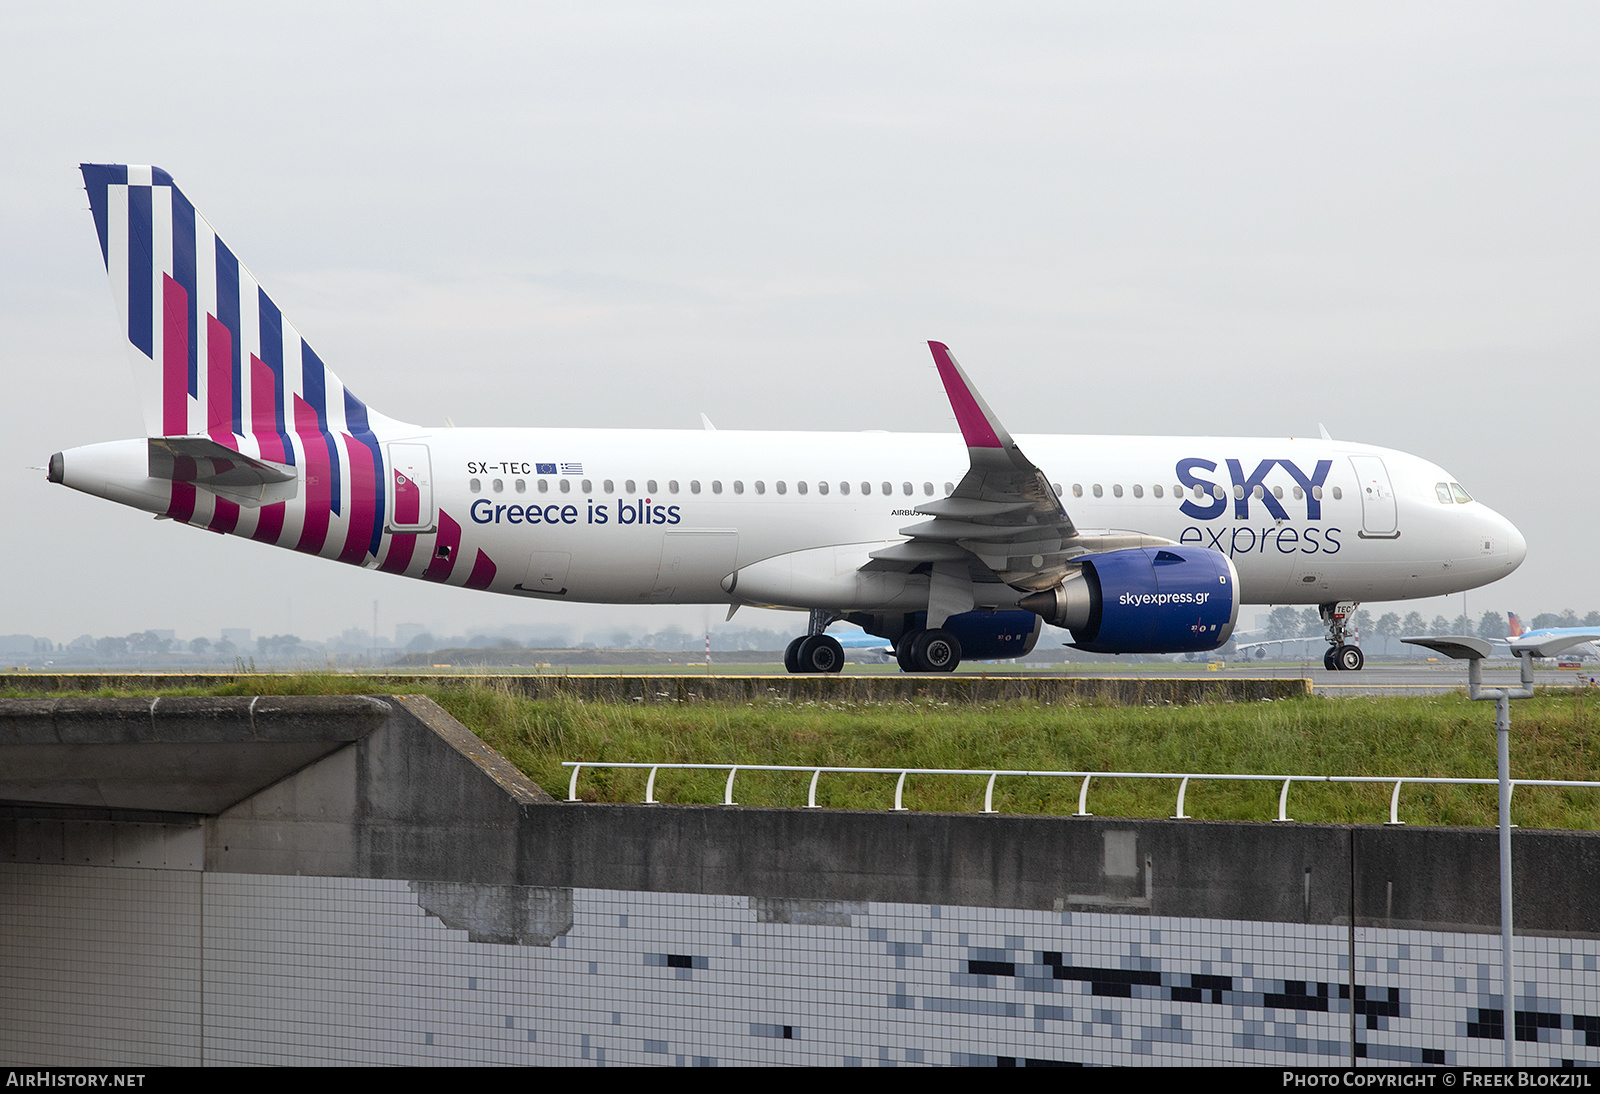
(211, 466)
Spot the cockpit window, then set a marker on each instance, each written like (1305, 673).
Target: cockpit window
(1443, 490)
(1461, 495)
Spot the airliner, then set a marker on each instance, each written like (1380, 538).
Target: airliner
(946, 546)
(1520, 636)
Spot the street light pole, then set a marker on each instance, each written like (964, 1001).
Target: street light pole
(1473, 651)
(1502, 731)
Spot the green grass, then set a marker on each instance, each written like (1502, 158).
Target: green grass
(1441, 735)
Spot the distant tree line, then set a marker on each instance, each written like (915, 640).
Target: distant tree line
(1287, 622)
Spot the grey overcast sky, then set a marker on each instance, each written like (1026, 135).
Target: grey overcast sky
(1228, 218)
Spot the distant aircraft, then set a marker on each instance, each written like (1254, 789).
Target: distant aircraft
(945, 547)
(1519, 632)
(1257, 648)
(866, 644)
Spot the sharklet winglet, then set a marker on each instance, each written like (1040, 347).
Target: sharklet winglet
(979, 427)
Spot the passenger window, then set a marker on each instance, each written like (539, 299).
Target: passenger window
(497, 485)
(522, 486)
(1238, 492)
(738, 487)
(716, 486)
(801, 487)
(761, 487)
(694, 486)
(1077, 489)
(844, 488)
(1138, 491)
(888, 488)
(672, 486)
(608, 486)
(1116, 490)
(650, 487)
(1099, 491)
(628, 486)
(906, 488)
(544, 486)
(1177, 491)
(1199, 492)
(949, 488)
(1298, 493)
(1277, 492)
(1056, 486)
(1337, 493)
(586, 486)
(1258, 493)
(866, 489)
(783, 487)
(1461, 495)
(1218, 492)
(1156, 489)
(566, 486)
(474, 485)
(927, 488)
(1316, 492)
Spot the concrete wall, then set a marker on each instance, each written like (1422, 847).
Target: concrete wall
(405, 895)
(726, 688)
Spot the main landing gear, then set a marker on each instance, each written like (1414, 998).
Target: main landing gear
(1342, 656)
(815, 651)
(935, 650)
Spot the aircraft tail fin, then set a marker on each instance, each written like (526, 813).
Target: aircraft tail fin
(212, 355)
(1516, 624)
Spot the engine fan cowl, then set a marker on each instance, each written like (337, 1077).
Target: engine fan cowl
(1146, 600)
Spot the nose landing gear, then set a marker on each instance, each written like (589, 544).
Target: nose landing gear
(1342, 656)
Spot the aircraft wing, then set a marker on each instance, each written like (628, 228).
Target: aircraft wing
(1003, 513)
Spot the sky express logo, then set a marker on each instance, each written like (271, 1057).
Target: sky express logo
(1208, 500)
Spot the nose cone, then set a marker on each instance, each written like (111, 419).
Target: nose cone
(1502, 531)
(1516, 546)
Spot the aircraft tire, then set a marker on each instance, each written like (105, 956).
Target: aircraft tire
(791, 655)
(1330, 660)
(1351, 658)
(936, 650)
(820, 653)
(902, 651)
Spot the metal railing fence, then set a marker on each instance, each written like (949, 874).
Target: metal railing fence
(1183, 780)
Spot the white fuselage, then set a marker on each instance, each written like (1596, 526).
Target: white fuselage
(661, 516)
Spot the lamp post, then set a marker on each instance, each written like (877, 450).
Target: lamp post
(1473, 651)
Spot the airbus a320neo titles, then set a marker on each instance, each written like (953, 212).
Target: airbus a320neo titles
(946, 547)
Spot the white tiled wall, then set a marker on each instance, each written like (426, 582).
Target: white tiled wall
(104, 965)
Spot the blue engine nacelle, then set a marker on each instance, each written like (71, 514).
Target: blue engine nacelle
(1146, 600)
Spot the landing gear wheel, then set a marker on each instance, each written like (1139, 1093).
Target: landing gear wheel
(820, 653)
(791, 655)
(1350, 658)
(1330, 660)
(935, 650)
(903, 648)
